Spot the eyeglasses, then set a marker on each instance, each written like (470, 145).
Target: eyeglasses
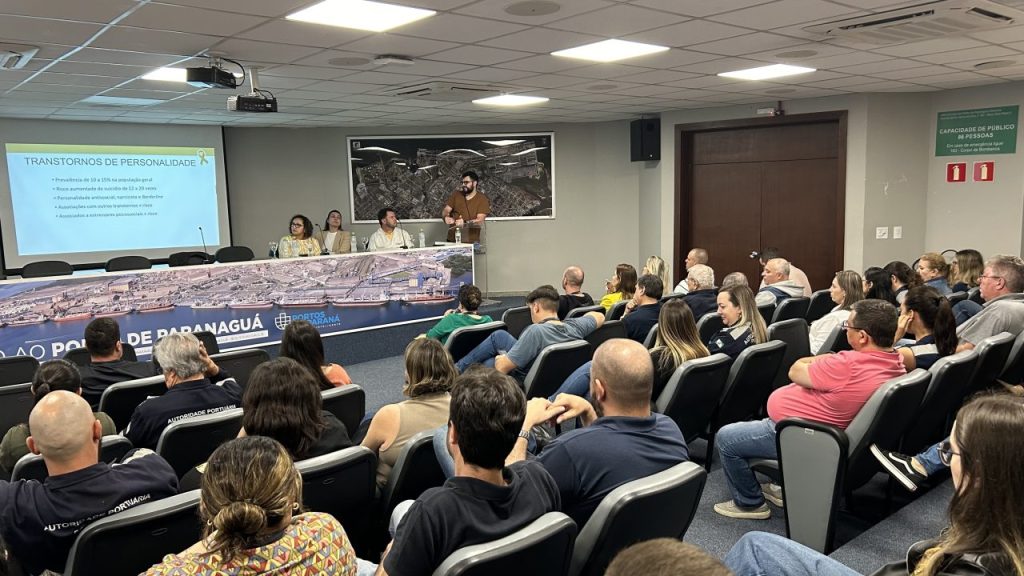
(847, 326)
(467, 182)
(296, 225)
(990, 277)
(946, 452)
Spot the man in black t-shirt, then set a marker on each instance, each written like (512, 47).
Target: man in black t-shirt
(484, 501)
(40, 521)
(103, 341)
(643, 310)
(574, 297)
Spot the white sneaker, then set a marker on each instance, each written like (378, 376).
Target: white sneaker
(773, 493)
(731, 510)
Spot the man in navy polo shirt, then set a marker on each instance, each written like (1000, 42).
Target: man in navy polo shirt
(621, 439)
(40, 521)
(196, 386)
(643, 310)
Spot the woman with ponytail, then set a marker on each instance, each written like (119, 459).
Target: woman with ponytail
(250, 506)
(50, 376)
(928, 316)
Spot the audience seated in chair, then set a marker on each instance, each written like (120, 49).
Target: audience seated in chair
(511, 356)
(485, 500)
(933, 269)
(830, 388)
(251, 505)
(701, 293)
(846, 289)
(51, 376)
(776, 283)
(966, 270)
(877, 284)
(665, 557)
(1001, 288)
(39, 521)
(734, 279)
(928, 316)
(429, 374)
(693, 257)
(902, 278)
(574, 297)
(642, 310)
(985, 534)
(283, 402)
(620, 287)
(103, 341)
(301, 342)
(465, 315)
(621, 439)
(657, 267)
(196, 386)
(744, 325)
(795, 274)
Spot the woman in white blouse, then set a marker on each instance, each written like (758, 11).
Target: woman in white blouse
(846, 289)
(332, 237)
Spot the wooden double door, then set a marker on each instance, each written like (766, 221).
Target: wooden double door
(753, 184)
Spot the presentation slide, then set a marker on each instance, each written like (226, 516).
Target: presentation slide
(86, 192)
(84, 198)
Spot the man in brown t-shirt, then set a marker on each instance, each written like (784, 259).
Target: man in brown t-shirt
(466, 206)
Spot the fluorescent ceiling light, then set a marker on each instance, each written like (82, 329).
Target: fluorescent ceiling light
(166, 75)
(360, 14)
(503, 142)
(610, 50)
(766, 72)
(121, 101)
(510, 100)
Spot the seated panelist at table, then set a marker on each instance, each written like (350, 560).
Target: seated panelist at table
(332, 237)
(466, 207)
(390, 236)
(300, 242)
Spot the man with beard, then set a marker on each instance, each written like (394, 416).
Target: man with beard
(466, 207)
(621, 439)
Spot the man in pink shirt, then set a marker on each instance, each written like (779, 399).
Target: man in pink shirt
(830, 388)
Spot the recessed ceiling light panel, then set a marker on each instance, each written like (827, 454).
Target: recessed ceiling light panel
(767, 72)
(360, 14)
(610, 50)
(167, 75)
(510, 100)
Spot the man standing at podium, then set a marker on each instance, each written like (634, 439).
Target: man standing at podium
(466, 205)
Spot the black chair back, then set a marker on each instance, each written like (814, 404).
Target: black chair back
(794, 333)
(17, 370)
(209, 340)
(348, 404)
(16, 404)
(342, 484)
(993, 353)
(652, 337)
(709, 325)
(766, 311)
(241, 363)
(791, 308)
(672, 296)
(189, 442)
(610, 329)
(582, 310)
(187, 259)
(32, 467)
(516, 320)
(541, 548)
(836, 341)
(1013, 373)
(235, 254)
(415, 470)
(951, 378)
(821, 303)
(617, 311)
(120, 400)
(693, 392)
(80, 356)
(45, 268)
(130, 542)
(956, 297)
(553, 365)
(462, 340)
(125, 263)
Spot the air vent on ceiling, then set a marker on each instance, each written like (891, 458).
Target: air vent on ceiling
(444, 92)
(921, 22)
(15, 56)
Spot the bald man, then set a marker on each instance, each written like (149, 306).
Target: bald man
(40, 521)
(621, 439)
(574, 297)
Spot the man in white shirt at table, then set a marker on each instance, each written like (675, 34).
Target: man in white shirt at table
(390, 236)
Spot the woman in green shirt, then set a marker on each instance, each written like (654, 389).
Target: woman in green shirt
(465, 315)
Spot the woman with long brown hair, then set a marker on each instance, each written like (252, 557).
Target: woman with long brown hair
(903, 278)
(744, 325)
(677, 341)
(621, 286)
(928, 316)
(846, 289)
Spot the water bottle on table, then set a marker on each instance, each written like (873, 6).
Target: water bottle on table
(423, 239)
(458, 234)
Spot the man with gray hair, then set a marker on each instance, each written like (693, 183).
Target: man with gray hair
(196, 386)
(700, 279)
(40, 521)
(693, 257)
(777, 285)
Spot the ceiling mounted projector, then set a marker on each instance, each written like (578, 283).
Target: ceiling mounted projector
(210, 77)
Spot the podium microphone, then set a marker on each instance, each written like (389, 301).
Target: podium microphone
(206, 251)
(323, 237)
(404, 246)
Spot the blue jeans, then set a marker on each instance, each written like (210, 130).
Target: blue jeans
(497, 343)
(738, 443)
(930, 460)
(764, 554)
(441, 451)
(963, 311)
(577, 384)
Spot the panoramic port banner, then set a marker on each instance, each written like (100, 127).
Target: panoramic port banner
(245, 304)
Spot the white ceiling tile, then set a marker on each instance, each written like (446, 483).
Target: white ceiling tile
(548, 81)
(487, 74)
(544, 64)
(656, 76)
(77, 80)
(296, 71)
(697, 8)
(323, 59)
(688, 33)
(783, 13)
(57, 88)
(425, 68)
(395, 44)
(617, 20)
(186, 19)
(541, 40)
(334, 87)
(123, 57)
(720, 65)
(603, 71)
(980, 54)
(385, 79)
(912, 73)
(247, 51)
(949, 77)
(112, 70)
(748, 43)
(671, 59)
(1010, 34)
(887, 86)
(142, 40)
(710, 81)
(647, 90)
(258, 7)
(479, 55)
(930, 47)
(303, 34)
(93, 11)
(840, 60)
(882, 66)
(843, 82)
(24, 29)
(283, 83)
(463, 29)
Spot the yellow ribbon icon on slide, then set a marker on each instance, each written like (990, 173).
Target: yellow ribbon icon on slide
(202, 157)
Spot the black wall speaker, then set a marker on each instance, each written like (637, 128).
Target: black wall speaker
(645, 139)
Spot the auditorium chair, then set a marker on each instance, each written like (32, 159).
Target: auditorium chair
(617, 311)
(347, 403)
(126, 263)
(235, 254)
(794, 333)
(241, 363)
(652, 337)
(17, 370)
(826, 462)
(766, 311)
(187, 259)
(1013, 372)
(516, 320)
(658, 506)
(80, 356)
(692, 394)
(16, 404)
(209, 340)
(708, 325)
(821, 303)
(415, 470)
(791, 308)
(950, 379)
(553, 365)
(993, 352)
(584, 310)
(46, 268)
(672, 296)
(462, 340)
(956, 297)
(119, 400)
(190, 441)
(342, 484)
(542, 548)
(31, 466)
(130, 542)
(836, 341)
(610, 329)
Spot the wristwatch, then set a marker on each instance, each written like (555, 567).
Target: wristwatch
(524, 434)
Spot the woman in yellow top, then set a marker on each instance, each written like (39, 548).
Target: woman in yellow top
(300, 242)
(621, 286)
